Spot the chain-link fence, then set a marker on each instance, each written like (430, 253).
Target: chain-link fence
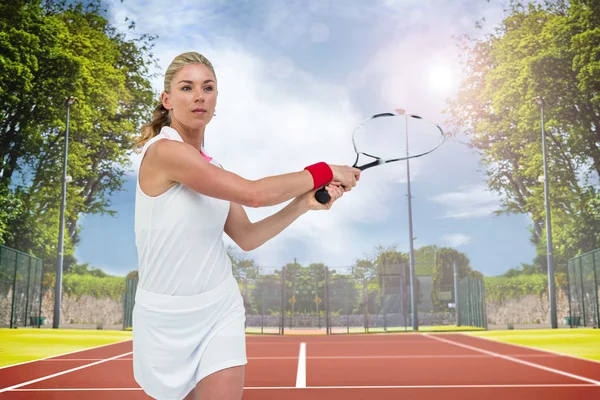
(20, 289)
(263, 292)
(583, 274)
(358, 299)
(261, 288)
(471, 307)
(129, 301)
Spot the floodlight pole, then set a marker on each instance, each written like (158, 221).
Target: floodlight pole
(59, 266)
(415, 323)
(551, 285)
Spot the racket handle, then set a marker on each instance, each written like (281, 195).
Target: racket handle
(322, 196)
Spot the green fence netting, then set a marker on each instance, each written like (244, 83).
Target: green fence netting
(20, 289)
(583, 274)
(348, 299)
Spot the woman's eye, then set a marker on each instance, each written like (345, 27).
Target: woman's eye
(187, 87)
(209, 88)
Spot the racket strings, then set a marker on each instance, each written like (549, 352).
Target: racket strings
(390, 137)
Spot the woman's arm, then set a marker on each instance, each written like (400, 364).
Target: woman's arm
(249, 236)
(181, 162)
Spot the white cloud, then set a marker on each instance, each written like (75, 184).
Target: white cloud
(470, 202)
(280, 127)
(274, 116)
(270, 123)
(456, 239)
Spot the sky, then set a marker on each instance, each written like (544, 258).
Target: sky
(294, 79)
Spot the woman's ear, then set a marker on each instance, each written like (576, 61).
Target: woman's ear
(164, 96)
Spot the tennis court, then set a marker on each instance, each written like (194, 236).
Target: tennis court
(388, 366)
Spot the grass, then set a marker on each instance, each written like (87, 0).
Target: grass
(20, 345)
(584, 343)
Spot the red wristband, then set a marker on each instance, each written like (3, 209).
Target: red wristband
(321, 173)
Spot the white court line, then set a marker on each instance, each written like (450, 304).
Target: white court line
(64, 354)
(427, 387)
(78, 390)
(301, 376)
(375, 357)
(530, 364)
(62, 373)
(533, 348)
(407, 357)
(499, 386)
(343, 343)
(84, 359)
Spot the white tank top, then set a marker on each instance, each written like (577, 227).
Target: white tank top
(179, 236)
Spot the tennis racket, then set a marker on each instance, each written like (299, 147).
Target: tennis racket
(390, 137)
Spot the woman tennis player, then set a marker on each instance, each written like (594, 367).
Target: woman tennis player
(188, 319)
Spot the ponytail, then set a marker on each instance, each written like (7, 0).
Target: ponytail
(160, 118)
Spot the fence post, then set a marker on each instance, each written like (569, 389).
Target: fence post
(347, 307)
(596, 290)
(27, 291)
(282, 326)
(327, 307)
(12, 306)
(471, 294)
(41, 272)
(485, 306)
(569, 263)
(456, 307)
(482, 303)
(582, 294)
(293, 294)
(262, 310)
(475, 287)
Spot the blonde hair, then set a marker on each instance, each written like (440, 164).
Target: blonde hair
(161, 116)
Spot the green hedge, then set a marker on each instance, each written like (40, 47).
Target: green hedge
(78, 285)
(500, 288)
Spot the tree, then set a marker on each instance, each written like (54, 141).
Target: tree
(395, 269)
(292, 271)
(443, 274)
(344, 295)
(524, 269)
(365, 271)
(315, 288)
(547, 50)
(425, 259)
(50, 51)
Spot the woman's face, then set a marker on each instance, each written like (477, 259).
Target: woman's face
(192, 98)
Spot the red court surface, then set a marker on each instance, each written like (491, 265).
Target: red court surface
(403, 366)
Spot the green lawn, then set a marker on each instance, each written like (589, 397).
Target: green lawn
(19, 345)
(583, 343)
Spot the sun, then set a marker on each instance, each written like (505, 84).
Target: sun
(441, 78)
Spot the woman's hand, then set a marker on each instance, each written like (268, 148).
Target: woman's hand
(347, 176)
(308, 201)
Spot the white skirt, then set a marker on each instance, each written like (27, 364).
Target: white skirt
(179, 340)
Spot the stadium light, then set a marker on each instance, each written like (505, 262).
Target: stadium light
(551, 289)
(69, 101)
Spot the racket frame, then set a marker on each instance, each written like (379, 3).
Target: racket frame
(323, 197)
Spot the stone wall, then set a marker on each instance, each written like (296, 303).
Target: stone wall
(83, 310)
(528, 309)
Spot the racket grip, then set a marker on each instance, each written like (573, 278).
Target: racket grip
(322, 196)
